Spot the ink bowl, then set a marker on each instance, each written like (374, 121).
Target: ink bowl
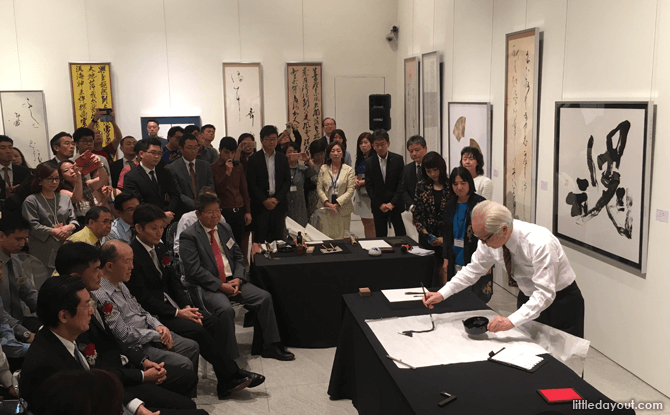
(476, 325)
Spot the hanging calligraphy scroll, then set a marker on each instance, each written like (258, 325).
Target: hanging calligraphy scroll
(430, 78)
(411, 100)
(91, 89)
(305, 101)
(521, 98)
(243, 97)
(24, 119)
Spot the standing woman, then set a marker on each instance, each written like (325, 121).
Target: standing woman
(297, 206)
(430, 200)
(362, 202)
(50, 214)
(318, 151)
(338, 137)
(459, 240)
(472, 159)
(336, 190)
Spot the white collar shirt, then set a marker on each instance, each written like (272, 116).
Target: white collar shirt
(382, 164)
(270, 163)
(540, 268)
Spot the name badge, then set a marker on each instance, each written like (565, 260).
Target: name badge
(458, 243)
(230, 243)
(294, 188)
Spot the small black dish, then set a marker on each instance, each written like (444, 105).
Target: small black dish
(476, 325)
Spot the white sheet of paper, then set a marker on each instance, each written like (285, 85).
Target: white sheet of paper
(400, 295)
(417, 250)
(379, 243)
(448, 343)
(314, 234)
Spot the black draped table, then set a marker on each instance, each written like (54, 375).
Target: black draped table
(361, 372)
(307, 290)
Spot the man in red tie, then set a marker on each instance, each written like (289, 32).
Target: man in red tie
(214, 264)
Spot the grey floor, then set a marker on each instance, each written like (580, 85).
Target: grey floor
(299, 387)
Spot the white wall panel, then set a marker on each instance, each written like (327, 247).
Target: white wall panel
(10, 77)
(424, 19)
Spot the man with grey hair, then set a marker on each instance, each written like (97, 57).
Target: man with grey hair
(534, 258)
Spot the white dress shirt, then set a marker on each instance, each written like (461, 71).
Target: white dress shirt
(540, 266)
(226, 264)
(270, 163)
(382, 164)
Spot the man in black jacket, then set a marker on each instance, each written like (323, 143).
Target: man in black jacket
(269, 181)
(411, 173)
(383, 174)
(12, 174)
(127, 148)
(150, 182)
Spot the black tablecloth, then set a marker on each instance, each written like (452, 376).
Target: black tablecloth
(307, 290)
(361, 372)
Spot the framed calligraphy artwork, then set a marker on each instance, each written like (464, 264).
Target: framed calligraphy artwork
(412, 105)
(470, 126)
(521, 100)
(430, 90)
(243, 97)
(305, 100)
(602, 185)
(91, 89)
(24, 120)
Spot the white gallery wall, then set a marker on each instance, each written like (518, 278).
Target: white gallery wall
(595, 50)
(166, 55)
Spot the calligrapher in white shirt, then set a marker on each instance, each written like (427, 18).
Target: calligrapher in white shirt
(548, 291)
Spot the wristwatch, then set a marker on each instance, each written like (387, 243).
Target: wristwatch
(26, 335)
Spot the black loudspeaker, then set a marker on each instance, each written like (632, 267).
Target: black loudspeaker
(380, 112)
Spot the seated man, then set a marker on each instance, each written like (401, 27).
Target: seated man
(64, 306)
(98, 220)
(17, 288)
(171, 149)
(131, 366)
(213, 261)
(158, 289)
(127, 148)
(189, 218)
(124, 204)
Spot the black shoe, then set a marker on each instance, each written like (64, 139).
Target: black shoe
(256, 378)
(276, 352)
(237, 384)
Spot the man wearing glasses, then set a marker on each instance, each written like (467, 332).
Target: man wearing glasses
(98, 221)
(532, 256)
(122, 227)
(153, 183)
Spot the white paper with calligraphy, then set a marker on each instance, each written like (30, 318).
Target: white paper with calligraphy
(520, 123)
(411, 100)
(470, 125)
(24, 121)
(601, 194)
(305, 102)
(431, 101)
(243, 97)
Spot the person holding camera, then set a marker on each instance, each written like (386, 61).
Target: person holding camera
(230, 183)
(336, 188)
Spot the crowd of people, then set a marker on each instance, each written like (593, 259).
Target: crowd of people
(149, 249)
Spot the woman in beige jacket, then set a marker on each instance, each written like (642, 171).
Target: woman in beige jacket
(335, 189)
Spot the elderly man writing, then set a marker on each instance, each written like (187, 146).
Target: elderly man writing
(535, 259)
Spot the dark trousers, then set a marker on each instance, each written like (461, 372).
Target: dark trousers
(212, 339)
(269, 225)
(382, 222)
(236, 222)
(157, 398)
(566, 313)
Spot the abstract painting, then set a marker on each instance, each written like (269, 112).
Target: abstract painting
(411, 100)
(91, 89)
(469, 125)
(603, 177)
(521, 98)
(24, 120)
(430, 83)
(243, 97)
(305, 100)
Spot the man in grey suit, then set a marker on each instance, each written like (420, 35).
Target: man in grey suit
(191, 174)
(214, 266)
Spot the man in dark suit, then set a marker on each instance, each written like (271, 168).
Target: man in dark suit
(154, 283)
(127, 148)
(82, 260)
(12, 174)
(190, 173)
(269, 180)
(383, 174)
(411, 173)
(150, 182)
(62, 146)
(213, 262)
(64, 306)
(329, 125)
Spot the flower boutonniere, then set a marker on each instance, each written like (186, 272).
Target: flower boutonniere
(107, 309)
(166, 260)
(90, 354)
